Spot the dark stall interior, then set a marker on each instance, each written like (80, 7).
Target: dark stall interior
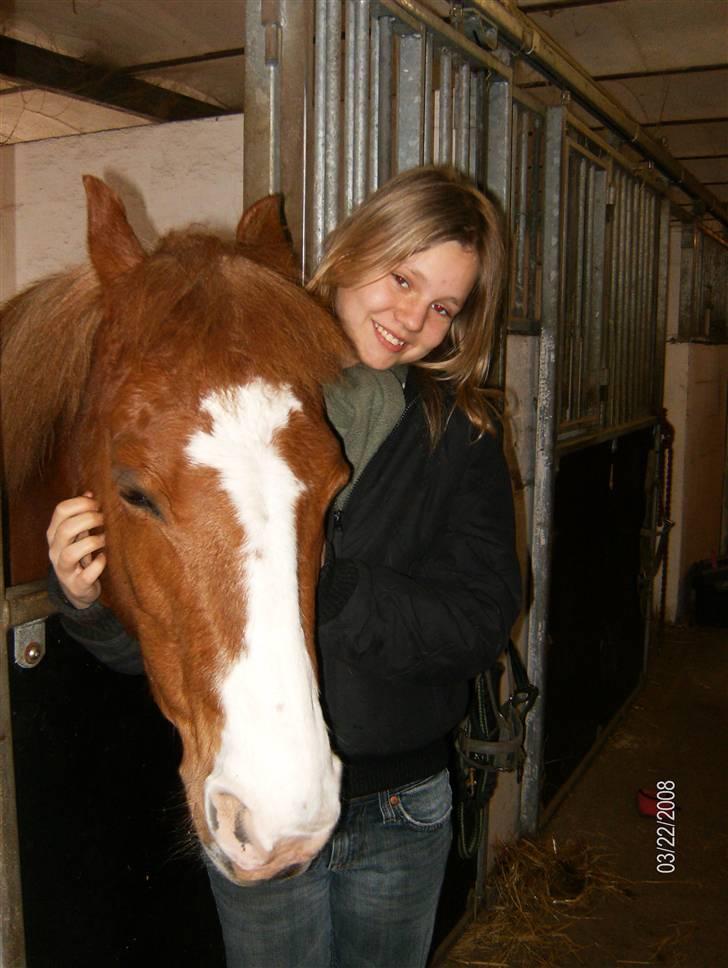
(596, 625)
(110, 873)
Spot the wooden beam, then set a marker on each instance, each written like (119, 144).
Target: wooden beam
(699, 157)
(547, 6)
(37, 67)
(160, 65)
(630, 75)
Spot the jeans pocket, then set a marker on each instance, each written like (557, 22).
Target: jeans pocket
(424, 805)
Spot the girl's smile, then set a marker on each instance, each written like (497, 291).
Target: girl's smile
(404, 315)
(388, 339)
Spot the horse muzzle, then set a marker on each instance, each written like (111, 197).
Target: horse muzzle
(245, 851)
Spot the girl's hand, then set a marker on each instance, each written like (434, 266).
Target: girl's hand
(77, 555)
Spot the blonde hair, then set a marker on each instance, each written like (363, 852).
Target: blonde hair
(417, 209)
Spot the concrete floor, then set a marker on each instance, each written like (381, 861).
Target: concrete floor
(677, 729)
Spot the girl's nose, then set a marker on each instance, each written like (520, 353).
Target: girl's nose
(411, 316)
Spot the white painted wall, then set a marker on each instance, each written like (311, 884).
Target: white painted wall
(696, 399)
(168, 175)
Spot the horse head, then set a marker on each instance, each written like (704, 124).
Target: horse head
(203, 436)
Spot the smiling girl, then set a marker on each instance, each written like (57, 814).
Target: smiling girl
(419, 588)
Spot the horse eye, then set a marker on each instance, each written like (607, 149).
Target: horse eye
(137, 499)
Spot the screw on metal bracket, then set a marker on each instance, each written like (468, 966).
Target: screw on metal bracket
(29, 644)
(455, 15)
(477, 28)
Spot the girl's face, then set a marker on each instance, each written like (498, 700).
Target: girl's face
(402, 316)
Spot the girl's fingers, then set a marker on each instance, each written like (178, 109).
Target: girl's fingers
(92, 572)
(72, 556)
(75, 551)
(74, 529)
(69, 509)
(82, 587)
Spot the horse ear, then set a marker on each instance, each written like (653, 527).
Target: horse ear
(112, 245)
(262, 229)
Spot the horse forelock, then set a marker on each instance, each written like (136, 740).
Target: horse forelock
(47, 334)
(199, 296)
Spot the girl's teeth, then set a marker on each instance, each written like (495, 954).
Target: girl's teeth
(390, 337)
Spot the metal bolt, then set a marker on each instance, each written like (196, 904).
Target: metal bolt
(29, 645)
(33, 653)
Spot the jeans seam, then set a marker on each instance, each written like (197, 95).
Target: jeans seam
(408, 821)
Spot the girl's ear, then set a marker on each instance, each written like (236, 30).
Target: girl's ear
(262, 231)
(112, 245)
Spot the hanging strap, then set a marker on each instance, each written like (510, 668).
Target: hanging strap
(491, 735)
(489, 740)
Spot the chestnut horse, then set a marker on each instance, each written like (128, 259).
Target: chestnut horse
(183, 388)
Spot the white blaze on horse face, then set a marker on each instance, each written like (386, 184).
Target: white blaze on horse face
(274, 756)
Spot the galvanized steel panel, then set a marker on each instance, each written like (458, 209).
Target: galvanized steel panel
(410, 101)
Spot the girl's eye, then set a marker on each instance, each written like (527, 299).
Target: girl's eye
(400, 280)
(441, 310)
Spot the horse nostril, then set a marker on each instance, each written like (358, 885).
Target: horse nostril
(239, 828)
(226, 817)
(212, 821)
(288, 872)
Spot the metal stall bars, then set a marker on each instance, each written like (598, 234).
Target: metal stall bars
(703, 285)
(527, 154)
(613, 311)
(403, 88)
(636, 331)
(277, 104)
(581, 323)
(544, 460)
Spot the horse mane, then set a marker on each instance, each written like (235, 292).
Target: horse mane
(194, 294)
(46, 336)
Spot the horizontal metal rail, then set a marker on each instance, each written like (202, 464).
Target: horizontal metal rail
(417, 16)
(26, 603)
(567, 445)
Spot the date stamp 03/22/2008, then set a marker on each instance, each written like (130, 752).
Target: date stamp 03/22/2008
(666, 830)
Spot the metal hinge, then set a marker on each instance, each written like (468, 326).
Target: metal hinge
(29, 641)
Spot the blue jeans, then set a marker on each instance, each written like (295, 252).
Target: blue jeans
(367, 901)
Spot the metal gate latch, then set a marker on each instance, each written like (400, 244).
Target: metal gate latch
(30, 643)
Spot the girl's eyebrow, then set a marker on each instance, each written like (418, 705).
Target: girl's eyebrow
(422, 278)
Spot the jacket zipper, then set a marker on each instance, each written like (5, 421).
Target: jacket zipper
(339, 512)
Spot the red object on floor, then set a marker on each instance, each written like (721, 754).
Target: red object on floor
(647, 801)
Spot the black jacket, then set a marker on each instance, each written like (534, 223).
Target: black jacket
(418, 595)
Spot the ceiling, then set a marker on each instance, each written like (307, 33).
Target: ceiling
(71, 66)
